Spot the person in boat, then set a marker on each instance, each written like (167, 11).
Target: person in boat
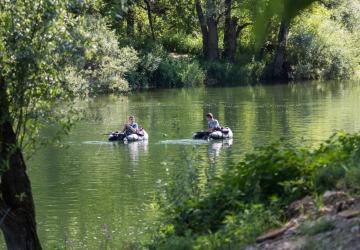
(131, 127)
(213, 124)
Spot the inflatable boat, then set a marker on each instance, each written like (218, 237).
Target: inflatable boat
(223, 133)
(141, 135)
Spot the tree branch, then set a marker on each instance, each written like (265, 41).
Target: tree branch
(241, 27)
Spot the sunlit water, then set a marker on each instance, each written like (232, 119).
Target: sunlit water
(92, 192)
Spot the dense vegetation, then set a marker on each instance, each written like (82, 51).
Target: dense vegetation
(252, 196)
(182, 43)
(117, 46)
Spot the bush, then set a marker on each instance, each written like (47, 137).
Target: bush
(237, 207)
(157, 69)
(312, 54)
(179, 72)
(228, 74)
(319, 226)
(150, 60)
(97, 59)
(183, 43)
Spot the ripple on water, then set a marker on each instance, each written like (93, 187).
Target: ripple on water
(184, 142)
(97, 142)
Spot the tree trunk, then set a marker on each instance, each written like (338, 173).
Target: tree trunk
(130, 22)
(203, 26)
(17, 212)
(260, 55)
(209, 30)
(280, 71)
(148, 8)
(213, 46)
(213, 37)
(229, 33)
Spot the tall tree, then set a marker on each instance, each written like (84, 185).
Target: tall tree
(17, 205)
(130, 22)
(232, 29)
(30, 37)
(209, 29)
(280, 71)
(285, 11)
(150, 18)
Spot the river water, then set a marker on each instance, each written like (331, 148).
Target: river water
(92, 192)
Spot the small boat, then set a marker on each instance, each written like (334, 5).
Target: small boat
(141, 135)
(223, 133)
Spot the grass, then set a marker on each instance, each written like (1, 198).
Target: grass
(319, 226)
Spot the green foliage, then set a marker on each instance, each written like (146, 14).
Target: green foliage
(240, 229)
(159, 69)
(237, 207)
(319, 226)
(283, 9)
(150, 60)
(321, 48)
(316, 48)
(31, 39)
(182, 43)
(177, 72)
(235, 74)
(175, 242)
(99, 65)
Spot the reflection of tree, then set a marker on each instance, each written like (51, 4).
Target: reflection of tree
(106, 110)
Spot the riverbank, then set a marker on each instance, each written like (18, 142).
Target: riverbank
(260, 193)
(333, 224)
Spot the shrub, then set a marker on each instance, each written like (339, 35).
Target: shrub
(320, 48)
(237, 206)
(352, 179)
(240, 229)
(98, 60)
(177, 72)
(150, 60)
(182, 43)
(157, 68)
(235, 74)
(319, 226)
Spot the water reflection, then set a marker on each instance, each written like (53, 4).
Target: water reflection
(216, 146)
(137, 149)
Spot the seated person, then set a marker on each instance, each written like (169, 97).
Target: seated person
(213, 124)
(131, 127)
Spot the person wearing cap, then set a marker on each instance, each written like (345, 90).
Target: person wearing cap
(213, 124)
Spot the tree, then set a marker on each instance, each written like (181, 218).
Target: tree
(280, 71)
(150, 18)
(232, 30)
(209, 29)
(31, 44)
(285, 11)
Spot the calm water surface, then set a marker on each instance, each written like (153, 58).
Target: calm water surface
(91, 192)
